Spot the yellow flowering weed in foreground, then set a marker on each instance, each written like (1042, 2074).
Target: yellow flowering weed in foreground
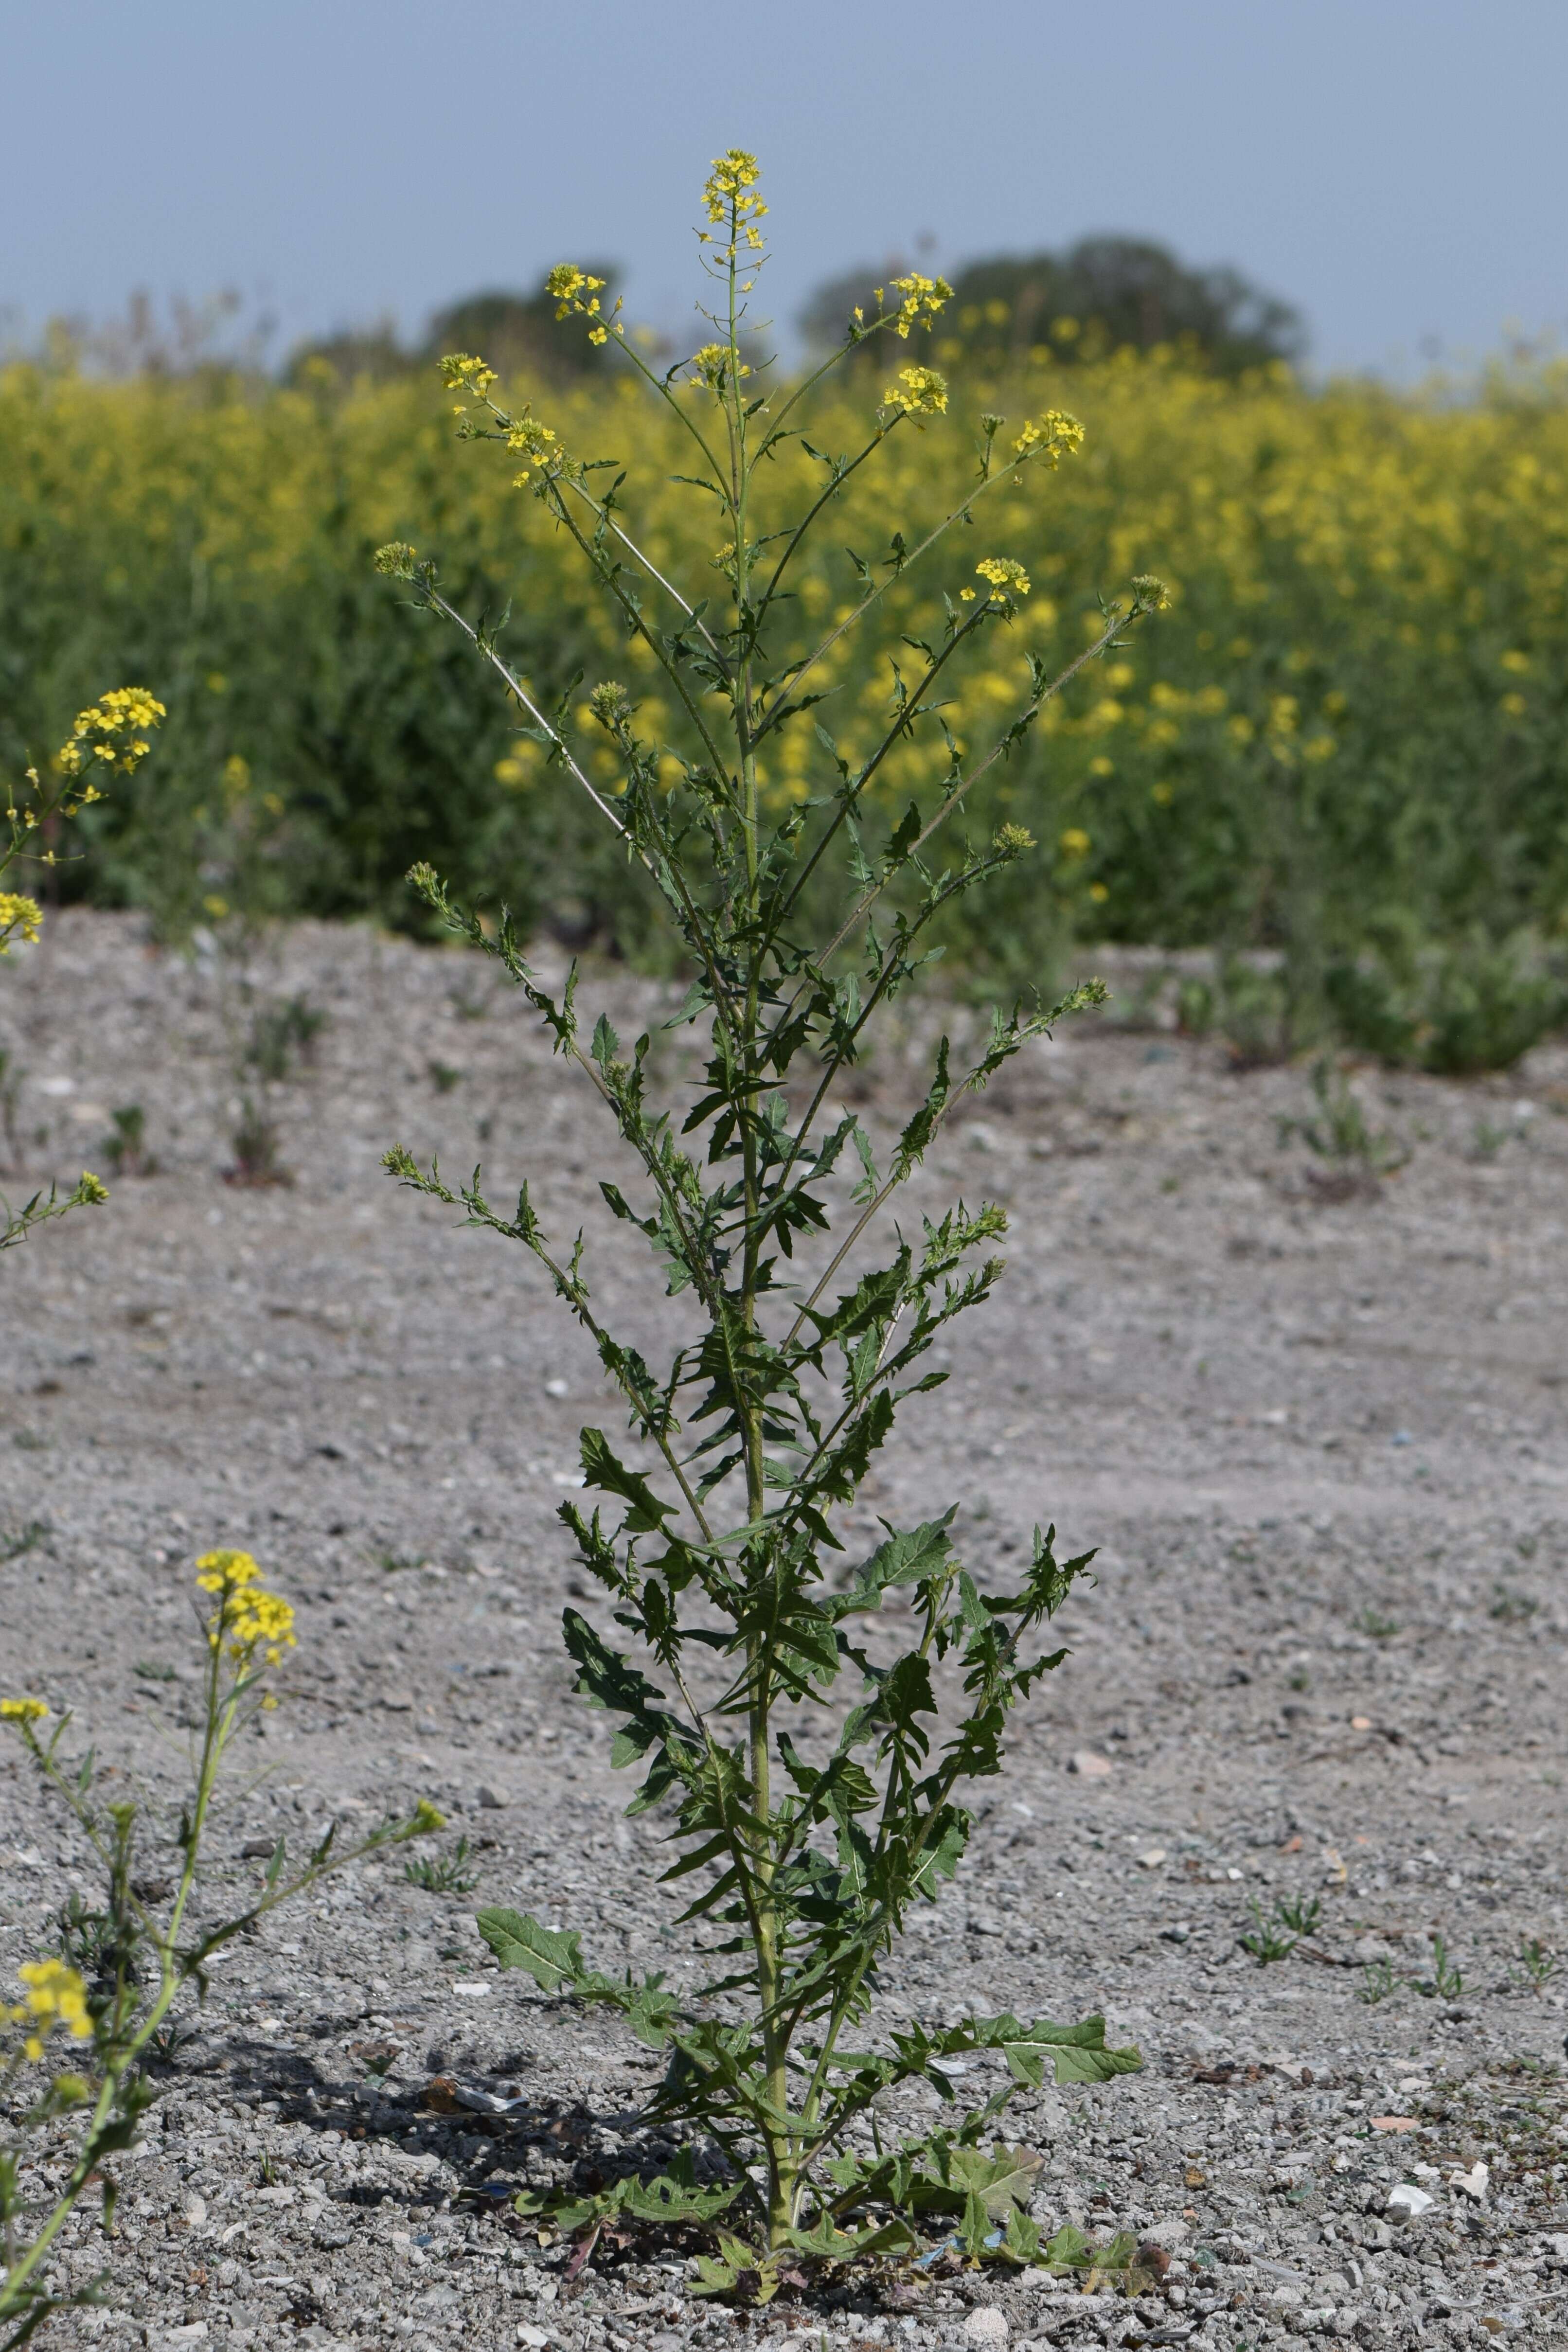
(155, 1947)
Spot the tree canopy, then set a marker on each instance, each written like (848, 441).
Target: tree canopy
(1101, 294)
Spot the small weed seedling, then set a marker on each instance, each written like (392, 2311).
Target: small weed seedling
(442, 1873)
(1378, 1982)
(1446, 1982)
(1377, 1624)
(1539, 1966)
(1263, 1939)
(255, 1145)
(1510, 1608)
(1300, 1912)
(281, 1034)
(807, 1831)
(444, 1076)
(1354, 1159)
(126, 1145)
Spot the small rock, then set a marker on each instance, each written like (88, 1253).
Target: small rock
(258, 1849)
(195, 2208)
(492, 1799)
(1089, 1766)
(528, 2334)
(1473, 2183)
(1152, 1859)
(986, 2326)
(1395, 2123)
(1178, 1933)
(1407, 2202)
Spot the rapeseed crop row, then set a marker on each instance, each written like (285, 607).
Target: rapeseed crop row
(1345, 736)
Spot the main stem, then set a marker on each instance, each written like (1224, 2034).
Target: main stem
(782, 2161)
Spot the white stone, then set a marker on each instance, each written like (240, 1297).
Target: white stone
(1407, 2202)
(1472, 2183)
(986, 2326)
(1090, 1767)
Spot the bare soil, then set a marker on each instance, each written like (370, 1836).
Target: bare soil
(1320, 1443)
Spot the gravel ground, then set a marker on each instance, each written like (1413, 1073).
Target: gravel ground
(1321, 1444)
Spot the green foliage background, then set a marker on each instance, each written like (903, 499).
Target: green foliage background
(1349, 731)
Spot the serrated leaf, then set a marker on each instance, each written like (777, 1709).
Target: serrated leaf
(552, 1957)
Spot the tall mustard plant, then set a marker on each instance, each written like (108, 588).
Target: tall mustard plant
(106, 1997)
(760, 1428)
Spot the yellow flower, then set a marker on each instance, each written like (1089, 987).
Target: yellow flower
(1099, 892)
(730, 188)
(1517, 662)
(224, 1572)
(1513, 706)
(1008, 577)
(22, 1710)
(917, 391)
(18, 913)
(124, 711)
(532, 441)
(1056, 435)
(246, 1618)
(55, 1995)
(461, 371)
(1074, 842)
(923, 297)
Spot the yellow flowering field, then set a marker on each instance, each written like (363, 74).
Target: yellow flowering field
(1347, 730)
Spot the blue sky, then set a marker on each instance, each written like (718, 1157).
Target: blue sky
(1396, 167)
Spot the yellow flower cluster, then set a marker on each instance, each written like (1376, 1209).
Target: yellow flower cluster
(55, 1995)
(1009, 579)
(714, 362)
(111, 729)
(461, 371)
(576, 292)
(730, 193)
(917, 391)
(1056, 435)
(18, 913)
(535, 443)
(22, 1710)
(923, 297)
(247, 1618)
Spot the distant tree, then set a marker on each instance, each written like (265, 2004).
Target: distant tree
(1102, 294)
(519, 334)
